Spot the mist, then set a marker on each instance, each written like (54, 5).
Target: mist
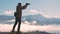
(29, 28)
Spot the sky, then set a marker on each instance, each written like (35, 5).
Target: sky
(47, 8)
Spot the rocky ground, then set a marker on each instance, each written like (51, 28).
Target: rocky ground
(36, 32)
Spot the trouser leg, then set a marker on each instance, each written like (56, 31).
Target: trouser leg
(19, 24)
(14, 25)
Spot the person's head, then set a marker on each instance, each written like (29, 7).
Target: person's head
(19, 4)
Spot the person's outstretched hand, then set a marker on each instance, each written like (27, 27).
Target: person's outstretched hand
(27, 3)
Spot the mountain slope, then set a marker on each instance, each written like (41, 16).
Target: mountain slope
(38, 18)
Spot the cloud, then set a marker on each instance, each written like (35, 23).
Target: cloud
(27, 27)
(56, 17)
(39, 12)
(44, 14)
(33, 11)
(9, 12)
(34, 22)
(26, 22)
(36, 12)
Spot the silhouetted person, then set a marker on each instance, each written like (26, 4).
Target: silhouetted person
(18, 15)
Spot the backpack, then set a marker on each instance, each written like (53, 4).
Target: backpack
(15, 14)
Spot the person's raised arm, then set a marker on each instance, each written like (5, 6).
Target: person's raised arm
(25, 6)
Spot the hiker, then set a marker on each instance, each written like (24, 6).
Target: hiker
(18, 15)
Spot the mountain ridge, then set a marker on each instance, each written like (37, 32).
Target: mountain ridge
(38, 18)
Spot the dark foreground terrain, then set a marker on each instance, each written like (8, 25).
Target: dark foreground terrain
(36, 32)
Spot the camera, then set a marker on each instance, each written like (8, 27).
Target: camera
(27, 3)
